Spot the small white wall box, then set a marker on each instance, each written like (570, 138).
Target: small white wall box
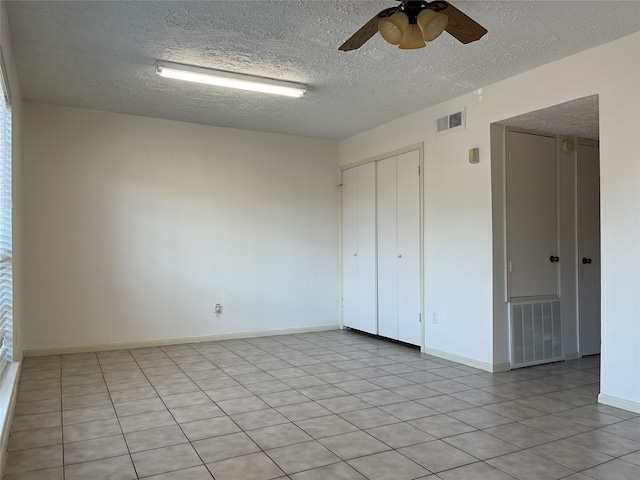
(474, 155)
(568, 145)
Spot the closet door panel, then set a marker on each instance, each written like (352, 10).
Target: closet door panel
(387, 249)
(367, 302)
(408, 221)
(532, 215)
(350, 247)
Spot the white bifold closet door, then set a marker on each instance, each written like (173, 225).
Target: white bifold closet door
(359, 247)
(398, 216)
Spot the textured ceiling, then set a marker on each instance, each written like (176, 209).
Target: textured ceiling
(101, 55)
(577, 118)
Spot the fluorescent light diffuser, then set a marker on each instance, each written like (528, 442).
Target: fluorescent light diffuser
(230, 80)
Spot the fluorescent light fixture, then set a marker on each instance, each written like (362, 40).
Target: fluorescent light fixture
(230, 80)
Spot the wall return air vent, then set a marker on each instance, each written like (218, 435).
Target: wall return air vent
(451, 123)
(536, 333)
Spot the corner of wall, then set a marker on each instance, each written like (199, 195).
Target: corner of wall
(571, 356)
(500, 306)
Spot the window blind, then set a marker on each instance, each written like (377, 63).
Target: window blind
(6, 270)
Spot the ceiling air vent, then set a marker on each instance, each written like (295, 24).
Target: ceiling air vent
(450, 123)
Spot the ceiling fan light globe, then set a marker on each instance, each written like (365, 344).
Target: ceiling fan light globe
(390, 32)
(432, 24)
(392, 29)
(412, 38)
(401, 20)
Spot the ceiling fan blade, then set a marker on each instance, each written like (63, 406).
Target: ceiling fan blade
(461, 27)
(367, 31)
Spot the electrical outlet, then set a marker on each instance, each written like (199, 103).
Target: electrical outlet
(218, 308)
(434, 317)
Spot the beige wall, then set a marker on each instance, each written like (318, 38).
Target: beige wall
(135, 227)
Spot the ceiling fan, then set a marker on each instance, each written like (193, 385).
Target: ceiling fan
(414, 22)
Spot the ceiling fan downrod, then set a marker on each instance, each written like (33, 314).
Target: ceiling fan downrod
(412, 8)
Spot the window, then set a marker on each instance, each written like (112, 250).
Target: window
(6, 273)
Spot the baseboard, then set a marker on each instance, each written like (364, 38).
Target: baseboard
(8, 393)
(175, 341)
(619, 403)
(572, 356)
(501, 367)
(470, 362)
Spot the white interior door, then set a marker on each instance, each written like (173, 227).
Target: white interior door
(532, 228)
(367, 301)
(589, 246)
(359, 248)
(350, 247)
(387, 248)
(408, 201)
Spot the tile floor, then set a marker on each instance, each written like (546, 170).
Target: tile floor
(316, 406)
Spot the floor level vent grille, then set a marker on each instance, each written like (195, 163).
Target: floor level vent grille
(536, 333)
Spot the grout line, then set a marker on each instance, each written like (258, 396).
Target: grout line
(116, 414)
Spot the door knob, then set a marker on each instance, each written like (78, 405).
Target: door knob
(553, 259)
(586, 260)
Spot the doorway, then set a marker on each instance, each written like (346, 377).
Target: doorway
(570, 123)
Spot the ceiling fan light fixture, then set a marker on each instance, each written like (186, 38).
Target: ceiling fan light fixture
(432, 24)
(392, 29)
(412, 38)
(457, 24)
(221, 78)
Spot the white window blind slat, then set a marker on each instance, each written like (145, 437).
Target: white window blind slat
(6, 258)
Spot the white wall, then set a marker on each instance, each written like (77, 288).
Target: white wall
(135, 227)
(458, 220)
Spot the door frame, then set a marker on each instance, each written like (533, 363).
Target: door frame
(394, 153)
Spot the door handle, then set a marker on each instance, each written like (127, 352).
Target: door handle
(586, 260)
(554, 259)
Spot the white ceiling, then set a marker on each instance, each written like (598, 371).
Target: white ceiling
(101, 55)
